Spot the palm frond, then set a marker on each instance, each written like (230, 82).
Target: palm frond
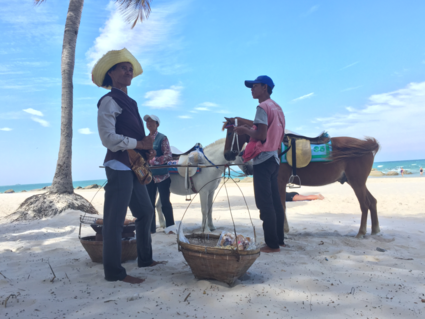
(38, 1)
(134, 10)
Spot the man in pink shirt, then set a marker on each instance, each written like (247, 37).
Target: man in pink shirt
(266, 136)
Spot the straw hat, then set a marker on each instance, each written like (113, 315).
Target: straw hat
(109, 60)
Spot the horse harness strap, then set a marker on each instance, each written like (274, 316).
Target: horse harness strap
(294, 157)
(294, 175)
(192, 186)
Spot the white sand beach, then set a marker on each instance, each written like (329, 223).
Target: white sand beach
(324, 273)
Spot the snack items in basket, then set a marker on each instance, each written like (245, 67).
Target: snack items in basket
(228, 241)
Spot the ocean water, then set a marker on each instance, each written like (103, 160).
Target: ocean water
(410, 166)
(28, 187)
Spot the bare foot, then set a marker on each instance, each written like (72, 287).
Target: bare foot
(154, 263)
(133, 280)
(320, 196)
(267, 249)
(158, 263)
(283, 245)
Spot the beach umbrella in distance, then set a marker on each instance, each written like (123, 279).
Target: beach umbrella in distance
(60, 196)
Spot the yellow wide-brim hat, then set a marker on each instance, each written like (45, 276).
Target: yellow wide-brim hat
(109, 60)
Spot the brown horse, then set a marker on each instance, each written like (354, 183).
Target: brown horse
(351, 162)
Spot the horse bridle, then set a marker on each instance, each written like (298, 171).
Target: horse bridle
(235, 136)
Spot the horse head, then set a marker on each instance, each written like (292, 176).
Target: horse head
(234, 144)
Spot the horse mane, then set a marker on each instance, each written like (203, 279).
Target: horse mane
(221, 140)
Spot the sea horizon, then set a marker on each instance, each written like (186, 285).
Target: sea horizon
(411, 166)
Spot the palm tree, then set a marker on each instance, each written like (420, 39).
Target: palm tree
(61, 194)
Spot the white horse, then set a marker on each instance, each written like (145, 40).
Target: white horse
(214, 152)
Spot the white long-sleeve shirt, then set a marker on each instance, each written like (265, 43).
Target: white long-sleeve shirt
(107, 115)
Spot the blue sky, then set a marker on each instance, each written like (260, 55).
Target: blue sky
(353, 68)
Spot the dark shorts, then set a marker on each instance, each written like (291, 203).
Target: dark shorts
(290, 196)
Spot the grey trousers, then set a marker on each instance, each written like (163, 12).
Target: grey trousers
(121, 191)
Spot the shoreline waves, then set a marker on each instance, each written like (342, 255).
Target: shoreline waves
(411, 167)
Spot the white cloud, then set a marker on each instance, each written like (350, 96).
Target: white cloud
(389, 117)
(11, 115)
(6, 129)
(311, 10)
(349, 66)
(41, 121)
(303, 97)
(161, 99)
(85, 131)
(155, 36)
(33, 112)
(202, 109)
(184, 116)
(24, 19)
(208, 104)
(352, 88)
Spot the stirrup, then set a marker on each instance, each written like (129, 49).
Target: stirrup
(291, 181)
(188, 198)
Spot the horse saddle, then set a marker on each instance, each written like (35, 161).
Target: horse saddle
(191, 157)
(302, 152)
(303, 147)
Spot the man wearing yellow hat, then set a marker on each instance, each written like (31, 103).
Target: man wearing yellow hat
(120, 129)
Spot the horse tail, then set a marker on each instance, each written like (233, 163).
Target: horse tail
(352, 147)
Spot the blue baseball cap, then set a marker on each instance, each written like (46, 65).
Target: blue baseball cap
(264, 79)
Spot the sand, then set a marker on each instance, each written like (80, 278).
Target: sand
(324, 273)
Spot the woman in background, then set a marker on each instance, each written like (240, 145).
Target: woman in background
(161, 180)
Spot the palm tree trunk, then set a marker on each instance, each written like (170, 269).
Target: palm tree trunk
(62, 181)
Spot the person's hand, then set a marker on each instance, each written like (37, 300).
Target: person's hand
(240, 130)
(146, 143)
(151, 154)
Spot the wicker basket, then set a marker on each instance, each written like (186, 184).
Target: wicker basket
(95, 249)
(210, 262)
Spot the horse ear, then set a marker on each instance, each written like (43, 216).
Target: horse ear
(230, 120)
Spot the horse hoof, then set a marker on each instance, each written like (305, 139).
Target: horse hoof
(360, 235)
(376, 231)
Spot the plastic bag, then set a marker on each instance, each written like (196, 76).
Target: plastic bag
(226, 239)
(182, 237)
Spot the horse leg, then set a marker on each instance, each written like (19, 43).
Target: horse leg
(161, 218)
(204, 207)
(373, 213)
(361, 193)
(210, 204)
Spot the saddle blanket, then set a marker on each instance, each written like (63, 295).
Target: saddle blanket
(173, 170)
(319, 152)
